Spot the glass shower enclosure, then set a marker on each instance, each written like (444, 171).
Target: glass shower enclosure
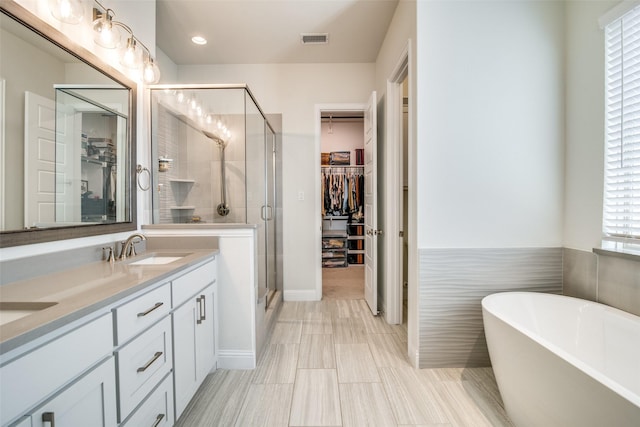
(214, 155)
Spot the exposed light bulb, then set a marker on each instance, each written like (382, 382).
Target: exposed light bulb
(131, 55)
(105, 35)
(151, 72)
(69, 11)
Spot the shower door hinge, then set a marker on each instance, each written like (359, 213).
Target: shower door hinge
(401, 234)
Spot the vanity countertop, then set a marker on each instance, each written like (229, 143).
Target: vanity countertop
(80, 291)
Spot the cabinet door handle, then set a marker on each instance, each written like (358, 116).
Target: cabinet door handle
(202, 308)
(158, 420)
(49, 417)
(144, 313)
(150, 362)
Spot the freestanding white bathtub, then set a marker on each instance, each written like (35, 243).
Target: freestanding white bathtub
(562, 361)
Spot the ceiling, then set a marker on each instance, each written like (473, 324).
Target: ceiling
(268, 31)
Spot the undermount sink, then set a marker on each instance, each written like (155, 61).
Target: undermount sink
(158, 259)
(10, 311)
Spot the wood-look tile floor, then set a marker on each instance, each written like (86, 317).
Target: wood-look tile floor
(331, 363)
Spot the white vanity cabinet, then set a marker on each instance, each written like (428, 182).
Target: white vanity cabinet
(91, 401)
(43, 374)
(142, 364)
(135, 361)
(194, 332)
(144, 346)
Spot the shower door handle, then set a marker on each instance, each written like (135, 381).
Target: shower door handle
(266, 213)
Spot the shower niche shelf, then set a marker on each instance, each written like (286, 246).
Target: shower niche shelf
(182, 181)
(182, 208)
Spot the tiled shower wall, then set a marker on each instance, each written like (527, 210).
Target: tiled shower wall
(197, 158)
(610, 279)
(452, 285)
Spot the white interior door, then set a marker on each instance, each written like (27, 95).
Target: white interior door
(370, 206)
(40, 160)
(68, 203)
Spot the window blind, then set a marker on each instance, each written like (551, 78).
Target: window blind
(622, 157)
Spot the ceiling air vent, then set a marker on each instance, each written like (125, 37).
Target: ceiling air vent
(314, 38)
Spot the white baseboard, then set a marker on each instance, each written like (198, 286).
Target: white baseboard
(310, 295)
(236, 359)
(414, 357)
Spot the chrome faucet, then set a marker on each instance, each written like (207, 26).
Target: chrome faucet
(128, 246)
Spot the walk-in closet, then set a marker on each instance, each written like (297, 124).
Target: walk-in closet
(342, 181)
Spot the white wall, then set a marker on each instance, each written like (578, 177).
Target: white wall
(294, 90)
(346, 136)
(490, 124)
(584, 124)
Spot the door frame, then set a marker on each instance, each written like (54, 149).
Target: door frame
(319, 109)
(394, 189)
(3, 194)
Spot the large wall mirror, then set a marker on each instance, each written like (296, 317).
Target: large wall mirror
(67, 122)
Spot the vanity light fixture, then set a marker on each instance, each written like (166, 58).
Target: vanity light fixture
(199, 40)
(132, 56)
(69, 11)
(135, 55)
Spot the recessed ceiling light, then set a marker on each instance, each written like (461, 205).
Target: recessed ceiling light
(199, 40)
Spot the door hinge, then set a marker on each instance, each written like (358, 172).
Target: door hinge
(401, 234)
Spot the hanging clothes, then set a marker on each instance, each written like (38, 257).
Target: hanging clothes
(342, 190)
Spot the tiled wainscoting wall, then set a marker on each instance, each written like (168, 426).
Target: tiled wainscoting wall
(452, 285)
(610, 279)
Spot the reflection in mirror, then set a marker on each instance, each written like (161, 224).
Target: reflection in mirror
(89, 178)
(64, 140)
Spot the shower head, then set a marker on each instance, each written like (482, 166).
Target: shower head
(214, 138)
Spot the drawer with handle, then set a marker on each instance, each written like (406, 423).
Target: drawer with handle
(157, 410)
(142, 364)
(142, 312)
(186, 286)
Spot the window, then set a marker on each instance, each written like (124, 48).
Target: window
(622, 156)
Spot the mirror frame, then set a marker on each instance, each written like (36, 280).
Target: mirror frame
(40, 235)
